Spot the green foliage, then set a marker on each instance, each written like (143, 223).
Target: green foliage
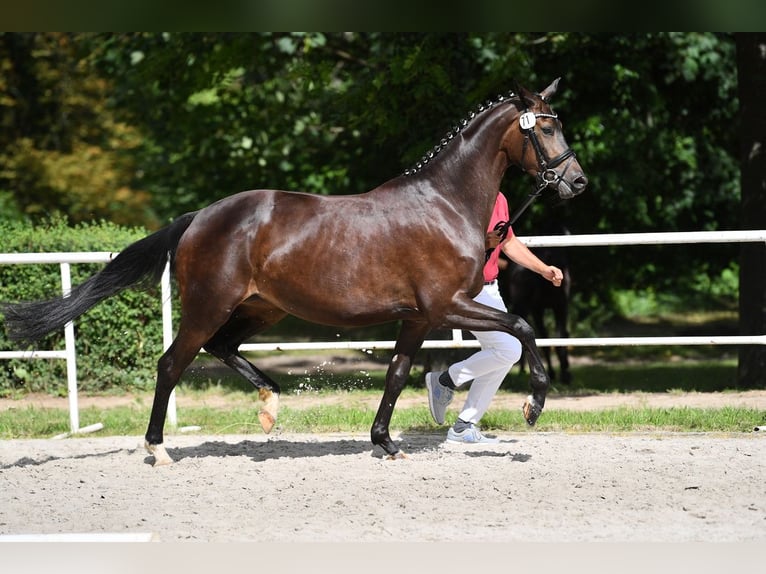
(9, 208)
(655, 128)
(117, 342)
(653, 376)
(140, 127)
(228, 112)
(703, 292)
(61, 147)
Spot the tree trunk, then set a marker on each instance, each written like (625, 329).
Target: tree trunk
(751, 73)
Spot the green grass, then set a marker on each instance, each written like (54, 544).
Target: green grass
(662, 375)
(42, 423)
(651, 377)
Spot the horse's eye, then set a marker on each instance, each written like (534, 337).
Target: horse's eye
(547, 130)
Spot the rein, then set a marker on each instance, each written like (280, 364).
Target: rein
(502, 227)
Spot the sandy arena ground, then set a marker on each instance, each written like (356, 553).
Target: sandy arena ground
(533, 486)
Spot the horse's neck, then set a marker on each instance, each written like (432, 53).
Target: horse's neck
(473, 166)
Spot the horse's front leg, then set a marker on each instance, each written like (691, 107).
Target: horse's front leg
(410, 339)
(539, 380)
(473, 316)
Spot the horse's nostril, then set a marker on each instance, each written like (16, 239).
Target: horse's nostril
(580, 183)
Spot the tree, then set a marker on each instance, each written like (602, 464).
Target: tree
(751, 70)
(61, 149)
(652, 117)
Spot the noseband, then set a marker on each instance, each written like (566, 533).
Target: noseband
(546, 176)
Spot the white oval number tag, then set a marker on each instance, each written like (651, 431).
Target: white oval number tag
(527, 120)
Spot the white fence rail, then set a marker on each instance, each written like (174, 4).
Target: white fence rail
(457, 341)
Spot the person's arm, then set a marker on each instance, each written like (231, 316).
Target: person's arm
(520, 253)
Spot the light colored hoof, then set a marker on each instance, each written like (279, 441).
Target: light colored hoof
(268, 413)
(161, 456)
(397, 456)
(267, 421)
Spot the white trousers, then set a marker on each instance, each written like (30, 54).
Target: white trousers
(488, 367)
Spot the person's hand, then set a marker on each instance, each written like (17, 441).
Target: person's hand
(554, 275)
(492, 240)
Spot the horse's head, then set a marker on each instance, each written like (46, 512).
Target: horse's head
(535, 143)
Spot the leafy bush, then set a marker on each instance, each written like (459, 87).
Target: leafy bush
(118, 342)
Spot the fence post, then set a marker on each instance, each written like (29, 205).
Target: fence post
(167, 334)
(71, 358)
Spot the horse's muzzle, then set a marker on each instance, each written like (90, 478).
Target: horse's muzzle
(568, 190)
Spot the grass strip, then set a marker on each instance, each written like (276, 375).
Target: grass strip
(34, 422)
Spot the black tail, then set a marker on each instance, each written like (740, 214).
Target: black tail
(140, 262)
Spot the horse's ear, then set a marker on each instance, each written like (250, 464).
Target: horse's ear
(527, 98)
(550, 90)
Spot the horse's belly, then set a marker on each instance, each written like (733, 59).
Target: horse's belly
(341, 306)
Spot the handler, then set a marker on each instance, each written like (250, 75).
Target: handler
(499, 351)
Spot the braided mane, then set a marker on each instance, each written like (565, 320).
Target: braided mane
(460, 126)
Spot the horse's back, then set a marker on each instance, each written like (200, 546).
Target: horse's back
(311, 255)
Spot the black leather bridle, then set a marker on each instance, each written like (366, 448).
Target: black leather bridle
(546, 176)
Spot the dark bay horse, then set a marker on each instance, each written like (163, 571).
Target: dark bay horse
(243, 263)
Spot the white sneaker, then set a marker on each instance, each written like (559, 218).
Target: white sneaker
(439, 396)
(471, 435)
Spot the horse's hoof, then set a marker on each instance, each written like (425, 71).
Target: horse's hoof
(267, 421)
(161, 456)
(399, 455)
(531, 410)
(268, 413)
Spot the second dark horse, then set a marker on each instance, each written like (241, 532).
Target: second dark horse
(246, 261)
(529, 296)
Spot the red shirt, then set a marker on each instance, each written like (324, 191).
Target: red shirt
(499, 215)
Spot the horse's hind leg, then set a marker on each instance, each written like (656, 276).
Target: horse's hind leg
(195, 330)
(169, 369)
(247, 320)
